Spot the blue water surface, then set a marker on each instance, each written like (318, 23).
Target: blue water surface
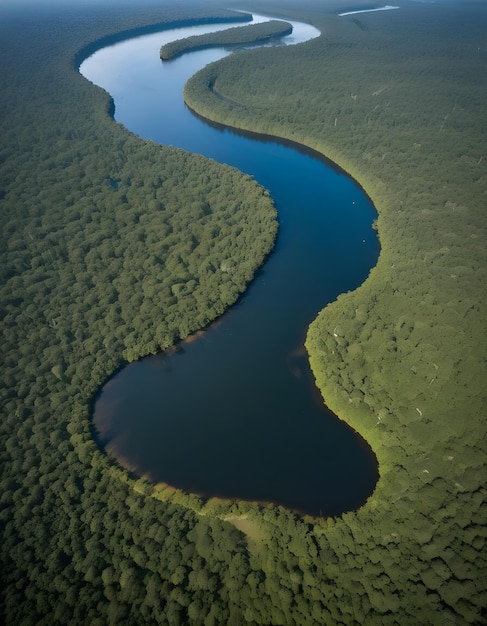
(235, 413)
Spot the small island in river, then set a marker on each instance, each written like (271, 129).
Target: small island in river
(96, 274)
(237, 36)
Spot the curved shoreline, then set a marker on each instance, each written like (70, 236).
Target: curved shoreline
(303, 149)
(290, 143)
(110, 40)
(415, 552)
(169, 51)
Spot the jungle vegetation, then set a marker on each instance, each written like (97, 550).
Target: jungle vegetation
(253, 34)
(111, 249)
(398, 100)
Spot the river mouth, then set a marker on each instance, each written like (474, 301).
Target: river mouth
(235, 414)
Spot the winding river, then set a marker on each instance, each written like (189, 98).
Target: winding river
(235, 413)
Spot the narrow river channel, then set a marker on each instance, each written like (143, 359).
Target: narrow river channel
(235, 413)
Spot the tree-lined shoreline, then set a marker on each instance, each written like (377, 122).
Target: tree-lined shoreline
(251, 35)
(401, 359)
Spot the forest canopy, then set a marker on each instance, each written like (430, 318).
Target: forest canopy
(402, 359)
(101, 231)
(253, 34)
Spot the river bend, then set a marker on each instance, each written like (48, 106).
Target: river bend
(235, 414)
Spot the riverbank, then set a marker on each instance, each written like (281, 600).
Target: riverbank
(190, 385)
(387, 357)
(255, 34)
(81, 539)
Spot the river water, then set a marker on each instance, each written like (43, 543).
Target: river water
(235, 413)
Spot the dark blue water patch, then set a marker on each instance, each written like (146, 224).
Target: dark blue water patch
(236, 413)
(267, 436)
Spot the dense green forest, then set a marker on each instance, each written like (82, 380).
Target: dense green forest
(253, 34)
(398, 100)
(112, 248)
